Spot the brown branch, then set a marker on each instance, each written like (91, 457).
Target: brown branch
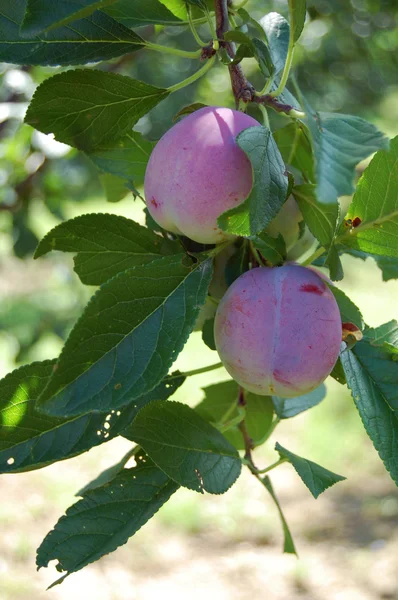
(241, 87)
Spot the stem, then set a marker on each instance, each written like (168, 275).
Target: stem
(265, 115)
(273, 466)
(206, 67)
(256, 254)
(199, 371)
(193, 29)
(286, 68)
(174, 51)
(213, 32)
(314, 256)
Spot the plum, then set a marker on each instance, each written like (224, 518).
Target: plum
(287, 222)
(197, 171)
(278, 330)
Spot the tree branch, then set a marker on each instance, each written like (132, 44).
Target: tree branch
(242, 89)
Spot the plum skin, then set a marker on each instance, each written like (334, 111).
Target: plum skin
(278, 330)
(197, 171)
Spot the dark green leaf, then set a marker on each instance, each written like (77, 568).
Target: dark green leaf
(334, 263)
(187, 110)
(272, 249)
(286, 408)
(126, 158)
(388, 266)
(262, 55)
(372, 376)
(187, 448)
(297, 10)
(138, 13)
(31, 440)
(288, 544)
(277, 31)
(208, 334)
(296, 149)
(108, 474)
(338, 371)
(46, 14)
(349, 312)
(92, 39)
(375, 203)
(105, 245)
(316, 478)
(387, 333)
(130, 333)
(237, 264)
(177, 7)
(106, 517)
(88, 108)
(339, 142)
(270, 184)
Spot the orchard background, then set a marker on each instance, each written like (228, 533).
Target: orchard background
(224, 546)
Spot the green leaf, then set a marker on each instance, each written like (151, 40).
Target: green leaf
(321, 218)
(186, 447)
(87, 108)
(388, 266)
(129, 335)
(189, 109)
(272, 249)
(316, 478)
(295, 148)
(372, 376)
(114, 187)
(208, 334)
(288, 544)
(220, 406)
(340, 142)
(387, 333)
(238, 263)
(30, 440)
(138, 13)
(334, 263)
(297, 9)
(375, 203)
(349, 312)
(105, 245)
(286, 408)
(277, 31)
(92, 39)
(43, 15)
(126, 158)
(338, 371)
(269, 189)
(106, 517)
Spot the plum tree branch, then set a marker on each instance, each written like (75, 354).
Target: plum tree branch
(242, 89)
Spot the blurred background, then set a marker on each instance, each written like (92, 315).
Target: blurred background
(226, 547)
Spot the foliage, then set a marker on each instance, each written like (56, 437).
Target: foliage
(112, 377)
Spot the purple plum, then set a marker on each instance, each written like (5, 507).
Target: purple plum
(278, 330)
(197, 171)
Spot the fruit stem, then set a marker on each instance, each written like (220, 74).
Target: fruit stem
(195, 34)
(171, 50)
(313, 256)
(265, 115)
(240, 5)
(206, 67)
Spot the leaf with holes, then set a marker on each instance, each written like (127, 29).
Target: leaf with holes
(187, 448)
(92, 39)
(106, 518)
(375, 205)
(316, 478)
(105, 245)
(270, 184)
(88, 108)
(129, 335)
